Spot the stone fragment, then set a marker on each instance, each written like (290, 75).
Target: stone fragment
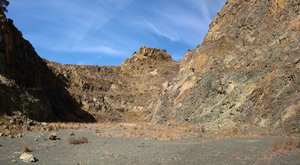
(44, 124)
(26, 157)
(52, 136)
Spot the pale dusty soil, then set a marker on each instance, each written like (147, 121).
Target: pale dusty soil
(142, 150)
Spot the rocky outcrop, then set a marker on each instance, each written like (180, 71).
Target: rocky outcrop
(119, 92)
(245, 75)
(28, 85)
(244, 78)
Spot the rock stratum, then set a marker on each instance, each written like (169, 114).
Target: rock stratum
(245, 75)
(244, 78)
(126, 92)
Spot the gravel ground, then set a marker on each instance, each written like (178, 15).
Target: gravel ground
(140, 150)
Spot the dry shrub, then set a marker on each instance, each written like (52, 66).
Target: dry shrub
(25, 147)
(109, 134)
(97, 131)
(155, 135)
(278, 147)
(161, 136)
(289, 145)
(3, 118)
(108, 153)
(126, 135)
(14, 131)
(199, 134)
(100, 133)
(140, 133)
(75, 141)
(137, 133)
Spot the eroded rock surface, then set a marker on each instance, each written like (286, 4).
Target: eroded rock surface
(244, 78)
(245, 75)
(28, 85)
(119, 92)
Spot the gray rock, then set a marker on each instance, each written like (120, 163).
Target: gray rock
(26, 157)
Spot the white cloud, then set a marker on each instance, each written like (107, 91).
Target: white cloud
(112, 28)
(82, 63)
(157, 28)
(94, 49)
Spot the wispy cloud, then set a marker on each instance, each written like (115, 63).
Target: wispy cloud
(94, 49)
(82, 63)
(157, 28)
(112, 29)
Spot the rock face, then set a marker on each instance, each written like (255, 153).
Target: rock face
(119, 92)
(245, 75)
(28, 85)
(244, 78)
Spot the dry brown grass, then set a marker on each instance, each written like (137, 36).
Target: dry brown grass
(107, 153)
(25, 147)
(156, 132)
(60, 125)
(77, 141)
(107, 133)
(3, 118)
(289, 145)
(280, 146)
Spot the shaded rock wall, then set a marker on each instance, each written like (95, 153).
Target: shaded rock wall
(28, 85)
(245, 76)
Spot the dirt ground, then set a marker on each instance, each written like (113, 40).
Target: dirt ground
(134, 145)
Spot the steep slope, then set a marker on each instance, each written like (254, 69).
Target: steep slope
(245, 76)
(119, 92)
(28, 85)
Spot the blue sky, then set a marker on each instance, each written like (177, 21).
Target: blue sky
(102, 32)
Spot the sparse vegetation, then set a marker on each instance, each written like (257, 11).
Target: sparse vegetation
(164, 50)
(3, 5)
(25, 147)
(280, 147)
(107, 153)
(77, 141)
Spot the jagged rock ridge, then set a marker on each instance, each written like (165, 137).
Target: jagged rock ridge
(28, 85)
(119, 92)
(245, 76)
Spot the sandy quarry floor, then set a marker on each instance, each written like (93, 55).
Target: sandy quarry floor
(143, 150)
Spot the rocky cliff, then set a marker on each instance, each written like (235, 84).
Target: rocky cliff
(119, 92)
(245, 76)
(28, 85)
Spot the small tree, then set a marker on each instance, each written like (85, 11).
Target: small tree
(4, 4)
(164, 50)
